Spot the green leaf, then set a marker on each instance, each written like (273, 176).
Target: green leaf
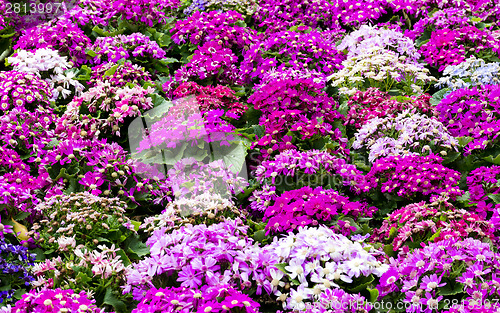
(373, 294)
(362, 285)
(111, 71)
(111, 299)
(495, 198)
(259, 235)
(235, 158)
(21, 216)
(135, 246)
(90, 52)
(281, 267)
(451, 289)
(123, 257)
(491, 159)
(450, 157)
(136, 225)
(83, 73)
(82, 278)
(438, 96)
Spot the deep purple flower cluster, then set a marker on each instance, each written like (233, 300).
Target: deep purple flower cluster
(215, 299)
(224, 28)
(14, 275)
(452, 46)
(55, 300)
(425, 277)
(302, 49)
(311, 207)
(483, 182)
(472, 112)
(146, 12)
(413, 176)
(59, 34)
(134, 46)
(26, 90)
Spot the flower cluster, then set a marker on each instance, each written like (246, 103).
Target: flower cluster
(317, 259)
(216, 299)
(412, 176)
(309, 207)
(245, 7)
(145, 12)
(94, 166)
(431, 222)
(14, 262)
(482, 183)
(423, 278)
(206, 208)
(368, 37)
(365, 105)
(79, 219)
(119, 74)
(407, 133)
(55, 300)
(452, 46)
(472, 112)
(18, 89)
(223, 28)
(196, 256)
(310, 49)
(293, 163)
(381, 68)
(472, 72)
(109, 107)
(135, 46)
(59, 34)
(276, 16)
(211, 98)
(211, 62)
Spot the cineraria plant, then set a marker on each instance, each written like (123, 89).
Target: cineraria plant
(210, 98)
(448, 274)
(315, 260)
(144, 13)
(206, 208)
(245, 7)
(15, 260)
(483, 188)
(103, 110)
(51, 67)
(293, 169)
(424, 222)
(55, 300)
(276, 16)
(136, 47)
(227, 29)
(366, 37)
(381, 68)
(302, 49)
(59, 34)
(94, 166)
(413, 177)
(311, 207)
(119, 74)
(365, 105)
(472, 72)
(473, 113)
(407, 133)
(196, 256)
(452, 46)
(215, 299)
(296, 113)
(18, 89)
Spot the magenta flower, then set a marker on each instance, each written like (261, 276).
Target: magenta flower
(92, 181)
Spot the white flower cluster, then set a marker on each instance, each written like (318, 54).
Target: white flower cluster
(382, 68)
(317, 259)
(50, 66)
(412, 133)
(471, 72)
